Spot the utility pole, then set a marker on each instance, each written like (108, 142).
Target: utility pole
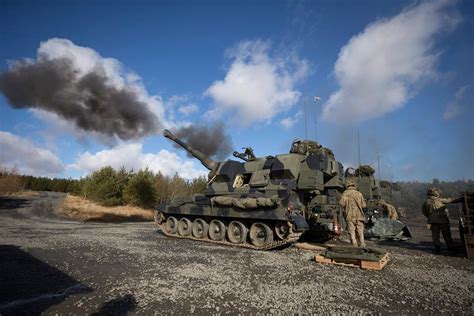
(305, 125)
(390, 165)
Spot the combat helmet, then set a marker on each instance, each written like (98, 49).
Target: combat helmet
(350, 183)
(433, 192)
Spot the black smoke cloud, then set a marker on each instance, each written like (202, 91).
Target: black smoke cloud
(89, 100)
(210, 140)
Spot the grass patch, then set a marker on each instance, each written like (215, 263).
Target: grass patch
(20, 194)
(84, 210)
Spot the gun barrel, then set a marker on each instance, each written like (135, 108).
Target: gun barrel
(206, 161)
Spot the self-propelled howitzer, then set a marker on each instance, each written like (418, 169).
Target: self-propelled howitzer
(259, 203)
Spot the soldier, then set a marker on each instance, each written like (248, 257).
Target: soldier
(353, 202)
(402, 212)
(434, 209)
(390, 209)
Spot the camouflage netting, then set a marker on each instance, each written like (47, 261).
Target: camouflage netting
(349, 252)
(385, 228)
(385, 184)
(304, 146)
(365, 171)
(246, 203)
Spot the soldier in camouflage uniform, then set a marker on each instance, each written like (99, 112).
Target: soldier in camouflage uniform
(434, 209)
(390, 209)
(353, 202)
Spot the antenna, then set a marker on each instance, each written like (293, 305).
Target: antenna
(315, 126)
(358, 148)
(316, 99)
(390, 165)
(378, 163)
(305, 126)
(358, 145)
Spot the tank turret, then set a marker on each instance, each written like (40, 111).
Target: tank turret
(206, 161)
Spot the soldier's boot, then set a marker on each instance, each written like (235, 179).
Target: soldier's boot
(437, 249)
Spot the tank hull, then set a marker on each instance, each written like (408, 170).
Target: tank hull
(225, 212)
(260, 228)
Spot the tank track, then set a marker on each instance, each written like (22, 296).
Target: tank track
(291, 238)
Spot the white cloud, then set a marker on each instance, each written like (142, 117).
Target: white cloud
(455, 107)
(22, 154)
(378, 68)
(290, 121)
(452, 110)
(257, 86)
(188, 109)
(131, 156)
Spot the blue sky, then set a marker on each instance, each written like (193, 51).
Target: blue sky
(398, 72)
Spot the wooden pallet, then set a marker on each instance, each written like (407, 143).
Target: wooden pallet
(356, 263)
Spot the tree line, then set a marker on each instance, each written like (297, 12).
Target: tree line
(108, 187)
(143, 188)
(413, 194)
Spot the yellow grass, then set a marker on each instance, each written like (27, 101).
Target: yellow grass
(21, 194)
(84, 210)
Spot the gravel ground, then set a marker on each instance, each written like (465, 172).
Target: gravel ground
(57, 266)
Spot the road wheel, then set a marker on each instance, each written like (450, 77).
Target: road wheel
(159, 218)
(171, 225)
(217, 230)
(185, 227)
(200, 228)
(260, 234)
(282, 230)
(237, 232)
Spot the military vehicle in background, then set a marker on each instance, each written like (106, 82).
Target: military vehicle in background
(378, 225)
(373, 190)
(390, 192)
(260, 202)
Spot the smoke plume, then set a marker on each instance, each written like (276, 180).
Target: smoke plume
(77, 84)
(210, 140)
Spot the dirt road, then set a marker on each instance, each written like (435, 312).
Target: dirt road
(52, 265)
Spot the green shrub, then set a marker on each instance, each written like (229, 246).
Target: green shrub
(105, 186)
(140, 190)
